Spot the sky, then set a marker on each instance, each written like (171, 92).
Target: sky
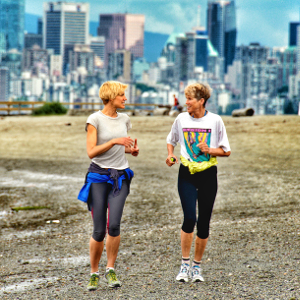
(262, 21)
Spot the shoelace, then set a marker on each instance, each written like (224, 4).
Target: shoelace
(184, 269)
(196, 270)
(112, 276)
(94, 278)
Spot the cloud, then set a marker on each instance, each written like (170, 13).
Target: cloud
(265, 21)
(153, 25)
(174, 17)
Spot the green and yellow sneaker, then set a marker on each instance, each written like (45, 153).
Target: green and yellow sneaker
(112, 279)
(94, 281)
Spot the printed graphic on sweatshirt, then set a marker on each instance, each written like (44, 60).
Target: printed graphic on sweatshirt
(192, 137)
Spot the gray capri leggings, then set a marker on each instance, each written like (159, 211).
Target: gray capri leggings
(106, 207)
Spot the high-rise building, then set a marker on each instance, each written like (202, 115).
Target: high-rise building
(40, 26)
(12, 14)
(122, 31)
(65, 24)
(293, 33)
(97, 44)
(253, 65)
(288, 62)
(13, 61)
(4, 83)
(35, 60)
(55, 64)
(221, 26)
(82, 56)
(32, 39)
(120, 65)
(181, 59)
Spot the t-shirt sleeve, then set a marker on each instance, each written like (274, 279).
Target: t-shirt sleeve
(93, 120)
(222, 137)
(173, 136)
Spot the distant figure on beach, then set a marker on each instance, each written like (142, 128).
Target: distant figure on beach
(108, 177)
(176, 103)
(202, 137)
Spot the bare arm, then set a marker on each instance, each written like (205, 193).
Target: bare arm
(170, 149)
(91, 142)
(213, 151)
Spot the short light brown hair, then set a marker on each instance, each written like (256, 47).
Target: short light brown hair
(198, 91)
(109, 90)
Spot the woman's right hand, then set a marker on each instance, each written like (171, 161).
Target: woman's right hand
(171, 160)
(125, 141)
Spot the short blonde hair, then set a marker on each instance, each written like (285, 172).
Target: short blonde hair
(109, 90)
(198, 91)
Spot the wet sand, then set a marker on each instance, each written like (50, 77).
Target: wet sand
(253, 250)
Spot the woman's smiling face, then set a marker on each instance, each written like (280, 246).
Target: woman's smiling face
(193, 104)
(119, 101)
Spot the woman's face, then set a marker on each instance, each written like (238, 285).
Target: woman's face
(119, 101)
(192, 104)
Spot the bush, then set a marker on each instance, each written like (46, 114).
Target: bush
(53, 108)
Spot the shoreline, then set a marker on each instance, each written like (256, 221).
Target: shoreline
(252, 251)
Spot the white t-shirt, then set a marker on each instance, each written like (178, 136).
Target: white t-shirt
(107, 129)
(189, 132)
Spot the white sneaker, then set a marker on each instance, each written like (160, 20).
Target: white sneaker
(196, 274)
(183, 274)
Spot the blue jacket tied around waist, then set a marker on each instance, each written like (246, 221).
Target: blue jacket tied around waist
(111, 176)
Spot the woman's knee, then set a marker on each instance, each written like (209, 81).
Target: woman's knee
(202, 231)
(99, 236)
(114, 230)
(188, 225)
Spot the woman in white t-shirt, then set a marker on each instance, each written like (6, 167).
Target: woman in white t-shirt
(202, 136)
(108, 178)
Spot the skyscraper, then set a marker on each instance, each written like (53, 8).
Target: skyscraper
(12, 14)
(65, 24)
(122, 31)
(293, 33)
(221, 26)
(97, 44)
(4, 83)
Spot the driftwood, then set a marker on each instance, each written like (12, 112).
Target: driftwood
(243, 112)
(174, 113)
(161, 111)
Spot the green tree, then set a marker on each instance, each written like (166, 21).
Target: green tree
(53, 108)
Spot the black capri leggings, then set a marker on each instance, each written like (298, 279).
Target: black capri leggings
(106, 207)
(202, 186)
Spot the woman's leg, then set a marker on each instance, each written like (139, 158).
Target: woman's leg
(200, 245)
(98, 194)
(188, 196)
(96, 249)
(115, 211)
(207, 191)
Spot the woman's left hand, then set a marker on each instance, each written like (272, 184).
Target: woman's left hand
(135, 149)
(203, 147)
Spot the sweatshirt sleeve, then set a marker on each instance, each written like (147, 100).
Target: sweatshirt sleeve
(173, 136)
(222, 137)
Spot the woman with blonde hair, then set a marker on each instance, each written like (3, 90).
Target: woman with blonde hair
(108, 178)
(202, 136)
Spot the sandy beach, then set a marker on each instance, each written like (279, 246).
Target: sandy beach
(253, 250)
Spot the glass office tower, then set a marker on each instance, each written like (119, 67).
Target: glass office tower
(122, 31)
(221, 26)
(12, 14)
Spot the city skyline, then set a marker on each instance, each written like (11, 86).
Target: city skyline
(252, 16)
